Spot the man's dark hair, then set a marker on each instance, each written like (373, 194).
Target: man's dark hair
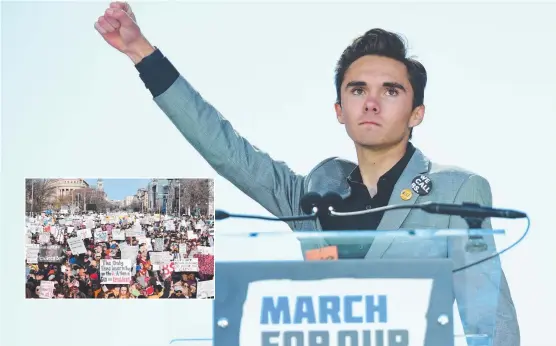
(387, 44)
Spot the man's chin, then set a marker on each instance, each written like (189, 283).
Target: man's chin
(375, 144)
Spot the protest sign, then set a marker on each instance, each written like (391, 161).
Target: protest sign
(186, 265)
(101, 236)
(134, 232)
(46, 289)
(118, 234)
(205, 289)
(206, 264)
(90, 224)
(84, 233)
(170, 226)
(51, 254)
(160, 258)
(183, 249)
(158, 244)
(129, 252)
(115, 271)
(32, 253)
(44, 238)
(76, 245)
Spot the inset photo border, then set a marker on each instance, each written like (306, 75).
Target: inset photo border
(119, 238)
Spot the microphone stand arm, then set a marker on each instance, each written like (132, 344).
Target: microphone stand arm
(476, 242)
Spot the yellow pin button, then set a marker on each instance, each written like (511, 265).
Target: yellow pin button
(406, 194)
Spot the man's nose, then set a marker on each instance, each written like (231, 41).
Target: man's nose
(371, 105)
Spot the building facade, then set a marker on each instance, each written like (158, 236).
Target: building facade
(65, 187)
(143, 198)
(157, 190)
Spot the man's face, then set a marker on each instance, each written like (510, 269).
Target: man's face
(377, 102)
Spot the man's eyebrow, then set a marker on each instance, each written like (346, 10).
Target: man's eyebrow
(355, 83)
(395, 85)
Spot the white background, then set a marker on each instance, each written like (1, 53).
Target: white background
(72, 106)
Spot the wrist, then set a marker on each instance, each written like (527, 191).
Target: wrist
(140, 50)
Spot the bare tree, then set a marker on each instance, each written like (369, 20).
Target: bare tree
(197, 193)
(38, 193)
(60, 201)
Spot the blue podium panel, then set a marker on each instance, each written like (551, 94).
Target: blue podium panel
(340, 303)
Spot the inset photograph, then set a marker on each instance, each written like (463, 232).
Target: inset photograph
(119, 238)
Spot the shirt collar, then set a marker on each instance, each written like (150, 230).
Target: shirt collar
(393, 174)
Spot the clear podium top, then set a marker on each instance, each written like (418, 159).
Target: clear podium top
(360, 234)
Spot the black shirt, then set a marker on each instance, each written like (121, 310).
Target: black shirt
(360, 199)
(158, 74)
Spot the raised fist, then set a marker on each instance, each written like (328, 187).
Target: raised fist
(119, 28)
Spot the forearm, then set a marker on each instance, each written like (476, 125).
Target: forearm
(271, 183)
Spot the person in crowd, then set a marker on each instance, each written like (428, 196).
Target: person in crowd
(60, 270)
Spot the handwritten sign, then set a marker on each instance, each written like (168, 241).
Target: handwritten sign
(186, 265)
(130, 253)
(44, 238)
(46, 289)
(183, 249)
(32, 253)
(101, 236)
(76, 245)
(115, 271)
(134, 232)
(161, 258)
(205, 289)
(118, 234)
(84, 233)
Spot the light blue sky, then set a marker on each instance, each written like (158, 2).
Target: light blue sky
(118, 189)
(72, 106)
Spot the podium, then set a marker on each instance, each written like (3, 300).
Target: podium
(395, 299)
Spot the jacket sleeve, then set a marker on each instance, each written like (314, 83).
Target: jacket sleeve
(482, 292)
(270, 183)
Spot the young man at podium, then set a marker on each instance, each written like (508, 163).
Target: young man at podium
(380, 95)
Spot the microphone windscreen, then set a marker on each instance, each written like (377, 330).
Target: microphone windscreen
(220, 215)
(309, 201)
(331, 199)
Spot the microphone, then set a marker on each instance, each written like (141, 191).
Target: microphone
(220, 215)
(471, 210)
(309, 202)
(474, 214)
(330, 202)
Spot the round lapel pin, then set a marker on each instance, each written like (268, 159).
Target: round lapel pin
(406, 194)
(421, 185)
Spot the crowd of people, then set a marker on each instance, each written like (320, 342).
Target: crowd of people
(120, 256)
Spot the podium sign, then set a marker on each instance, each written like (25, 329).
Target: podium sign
(334, 303)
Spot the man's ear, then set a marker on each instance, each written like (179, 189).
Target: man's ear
(339, 113)
(417, 116)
